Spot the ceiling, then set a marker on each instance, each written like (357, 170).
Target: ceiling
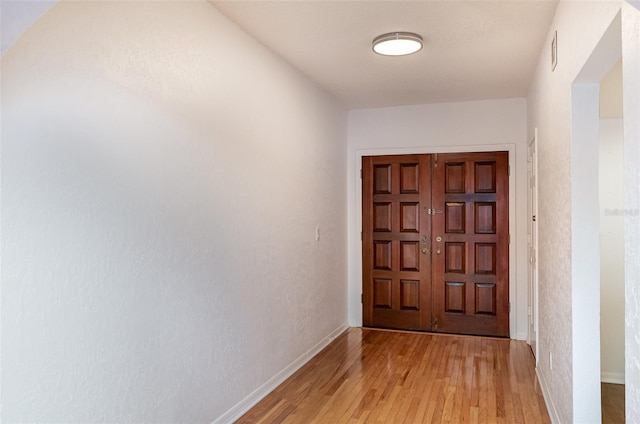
(473, 50)
(17, 16)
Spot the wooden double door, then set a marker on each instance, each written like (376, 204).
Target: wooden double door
(436, 242)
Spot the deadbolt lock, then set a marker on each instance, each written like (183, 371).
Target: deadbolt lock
(438, 238)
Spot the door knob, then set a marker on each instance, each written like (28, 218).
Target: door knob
(438, 251)
(424, 250)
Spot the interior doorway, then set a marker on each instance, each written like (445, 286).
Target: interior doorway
(612, 212)
(585, 225)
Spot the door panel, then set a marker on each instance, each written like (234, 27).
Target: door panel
(396, 234)
(471, 243)
(436, 242)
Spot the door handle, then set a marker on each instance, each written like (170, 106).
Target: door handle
(438, 251)
(425, 250)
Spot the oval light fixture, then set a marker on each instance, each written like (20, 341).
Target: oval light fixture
(397, 43)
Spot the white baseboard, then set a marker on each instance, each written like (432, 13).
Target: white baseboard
(612, 377)
(256, 396)
(522, 335)
(551, 408)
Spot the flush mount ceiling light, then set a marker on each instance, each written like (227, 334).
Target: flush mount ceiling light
(397, 43)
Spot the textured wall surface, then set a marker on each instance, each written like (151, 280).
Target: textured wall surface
(162, 178)
(631, 99)
(464, 126)
(579, 26)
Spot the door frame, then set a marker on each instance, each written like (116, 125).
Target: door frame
(532, 241)
(515, 297)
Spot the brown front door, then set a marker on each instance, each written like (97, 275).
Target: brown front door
(436, 242)
(396, 234)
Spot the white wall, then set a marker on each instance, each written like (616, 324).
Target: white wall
(611, 192)
(580, 26)
(631, 106)
(611, 157)
(585, 254)
(162, 178)
(466, 126)
(611, 93)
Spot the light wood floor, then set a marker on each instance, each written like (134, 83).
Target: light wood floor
(375, 376)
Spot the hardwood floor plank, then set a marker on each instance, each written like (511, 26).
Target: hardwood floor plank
(377, 376)
(612, 403)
